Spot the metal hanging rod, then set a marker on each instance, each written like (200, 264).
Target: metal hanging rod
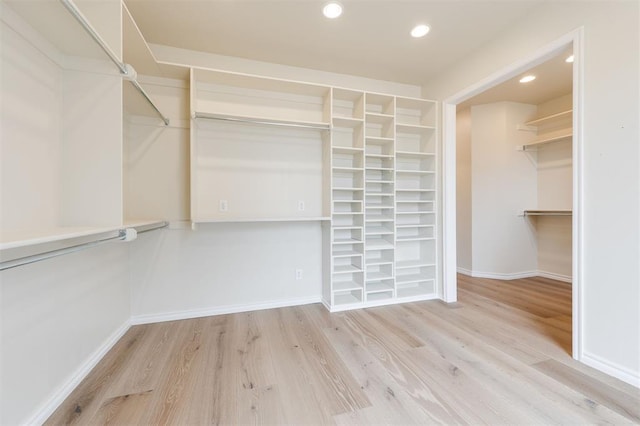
(548, 213)
(59, 252)
(142, 91)
(121, 235)
(314, 126)
(124, 69)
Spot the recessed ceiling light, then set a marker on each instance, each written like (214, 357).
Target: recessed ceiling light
(332, 10)
(527, 78)
(420, 31)
(569, 59)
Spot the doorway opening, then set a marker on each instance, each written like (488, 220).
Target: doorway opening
(530, 127)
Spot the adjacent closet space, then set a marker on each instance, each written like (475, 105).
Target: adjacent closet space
(515, 192)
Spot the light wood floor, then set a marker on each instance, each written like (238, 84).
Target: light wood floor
(501, 355)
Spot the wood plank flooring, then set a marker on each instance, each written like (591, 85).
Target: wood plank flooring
(501, 355)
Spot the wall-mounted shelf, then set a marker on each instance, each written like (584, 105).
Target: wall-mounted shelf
(560, 116)
(547, 213)
(551, 137)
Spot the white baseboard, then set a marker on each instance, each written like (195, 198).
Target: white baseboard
(464, 271)
(221, 310)
(515, 276)
(58, 397)
(612, 369)
(554, 276)
(503, 276)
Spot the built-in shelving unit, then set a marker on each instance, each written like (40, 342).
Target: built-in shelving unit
(383, 154)
(347, 185)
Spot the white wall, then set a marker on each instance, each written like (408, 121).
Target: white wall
(463, 190)
(55, 317)
(221, 268)
(503, 183)
(611, 189)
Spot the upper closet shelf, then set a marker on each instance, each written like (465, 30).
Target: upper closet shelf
(262, 121)
(549, 119)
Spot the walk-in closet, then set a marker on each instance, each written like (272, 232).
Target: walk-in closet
(218, 212)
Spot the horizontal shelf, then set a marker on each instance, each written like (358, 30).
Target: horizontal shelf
(415, 154)
(416, 172)
(558, 136)
(415, 190)
(387, 169)
(414, 226)
(260, 120)
(414, 201)
(379, 288)
(376, 140)
(378, 276)
(378, 230)
(378, 207)
(550, 118)
(340, 188)
(346, 241)
(347, 122)
(379, 263)
(347, 169)
(346, 150)
(410, 264)
(418, 212)
(548, 213)
(378, 244)
(347, 201)
(346, 299)
(341, 252)
(340, 286)
(410, 279)
(378, 181)
(346, 228)
(379, 156)
(347, 213)
(413, 128)
(405, 239)
(263, 219)
(378, 218)
(346, 269)
(421, 289)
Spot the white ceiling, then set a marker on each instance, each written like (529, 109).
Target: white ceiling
(554, 78)
(370, 39)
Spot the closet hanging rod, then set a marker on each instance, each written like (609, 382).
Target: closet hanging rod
(314, 126)
(59, 252)
(142, 91)
(124, 69)
(548, 213)
(121, 235)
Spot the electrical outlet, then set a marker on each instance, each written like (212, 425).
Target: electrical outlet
(300, 206)
(224, 206)
(298, 274)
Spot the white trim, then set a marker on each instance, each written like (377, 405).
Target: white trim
(221, 310)
(57, 397)
(504, 276)
(515, 275)
(464, 271)
(449, 251)
(612, 369)
(554, 276)
(577, 222)
(575, 37)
